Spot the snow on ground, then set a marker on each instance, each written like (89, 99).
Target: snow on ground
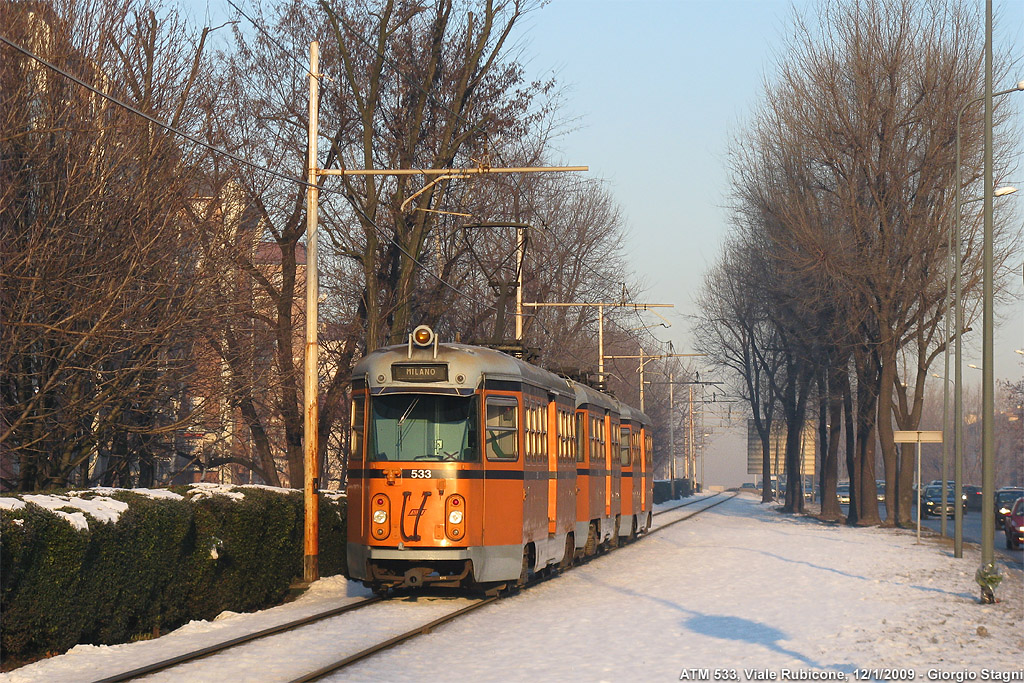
(738, 589)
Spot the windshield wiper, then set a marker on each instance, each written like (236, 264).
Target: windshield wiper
(408, 410)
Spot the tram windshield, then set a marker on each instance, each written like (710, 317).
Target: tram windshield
(407, 427)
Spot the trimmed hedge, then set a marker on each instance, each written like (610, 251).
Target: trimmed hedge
(162, 564)
(663, 490)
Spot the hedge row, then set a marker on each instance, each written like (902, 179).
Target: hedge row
(164, 563)
(663, 490)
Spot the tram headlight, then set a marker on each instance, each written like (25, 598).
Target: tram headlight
(380, 516)
(455, 517)
(423, 336)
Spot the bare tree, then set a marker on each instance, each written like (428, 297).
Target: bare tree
(851, 163)
(100, 280)
(734, 332)
(409, 87)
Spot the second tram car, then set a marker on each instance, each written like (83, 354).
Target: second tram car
(469, 467)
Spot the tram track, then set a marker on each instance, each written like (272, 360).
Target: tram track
(240, 640)
(686, 504)
(693, 514)
(370, 651)
(391, 642)
(427, 628)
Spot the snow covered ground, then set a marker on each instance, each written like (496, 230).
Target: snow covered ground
(742, 591)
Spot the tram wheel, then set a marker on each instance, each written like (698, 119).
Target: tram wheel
(591, 547)
(524, 575)
(570, 553)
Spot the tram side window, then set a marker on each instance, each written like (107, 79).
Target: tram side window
(566, 436)
(613, 437)
(502, 428)
(624, 448)
(358, 414)
(542, 449)
(580, 435)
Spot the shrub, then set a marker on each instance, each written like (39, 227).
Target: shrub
(163, 563)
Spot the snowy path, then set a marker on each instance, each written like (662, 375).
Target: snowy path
(736, 589)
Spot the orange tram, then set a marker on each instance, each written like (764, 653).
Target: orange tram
(472, 468)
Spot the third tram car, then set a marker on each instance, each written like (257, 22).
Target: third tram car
(472, 468)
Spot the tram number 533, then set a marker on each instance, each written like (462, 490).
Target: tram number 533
(420, 474)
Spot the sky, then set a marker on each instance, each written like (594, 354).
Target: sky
(738, 588)
(659, 88)
(655, 89)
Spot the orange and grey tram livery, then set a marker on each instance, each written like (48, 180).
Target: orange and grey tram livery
(469, 467)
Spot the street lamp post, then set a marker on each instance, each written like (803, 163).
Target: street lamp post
(987, 575)
(958, 406)
(945, 431)
(999, 192)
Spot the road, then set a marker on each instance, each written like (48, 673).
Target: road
(972, 534)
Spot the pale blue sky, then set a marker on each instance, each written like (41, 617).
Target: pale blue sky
(659, 87)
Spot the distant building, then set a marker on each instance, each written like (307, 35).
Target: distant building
(777, 446)
(218, 432)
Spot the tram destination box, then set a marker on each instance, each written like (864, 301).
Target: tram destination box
(419, 372)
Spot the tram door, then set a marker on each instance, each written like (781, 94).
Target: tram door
(503, 470)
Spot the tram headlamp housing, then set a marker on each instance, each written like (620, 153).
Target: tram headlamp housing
(423, 336)
(380, 516)
(455, 517)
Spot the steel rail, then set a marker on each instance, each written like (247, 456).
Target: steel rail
(219, 647)
(427, 628)
(683, 505)
(691, 515)
(391, 642)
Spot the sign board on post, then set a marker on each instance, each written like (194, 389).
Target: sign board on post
(919, 437)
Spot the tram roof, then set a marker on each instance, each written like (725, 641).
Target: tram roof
(472, 362)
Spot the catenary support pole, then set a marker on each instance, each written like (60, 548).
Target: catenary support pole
(311, 541)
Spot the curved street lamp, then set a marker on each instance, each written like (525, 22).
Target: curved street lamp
(999, 192)
(958, 407)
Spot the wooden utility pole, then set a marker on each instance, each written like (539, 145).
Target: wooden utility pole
(690, 457)
(311, 541)
(600, 322)
(645, 359)
(310, 396)
(691, 453)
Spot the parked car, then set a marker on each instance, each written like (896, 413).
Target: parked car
(880, 489)
(972, 496)
(843, 494)
(1013, 525)
(1005, 498)
(935, 499)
